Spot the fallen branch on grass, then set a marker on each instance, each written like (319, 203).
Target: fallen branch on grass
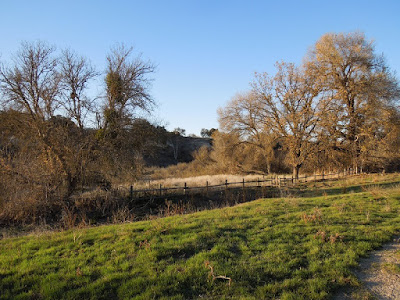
(207, 264)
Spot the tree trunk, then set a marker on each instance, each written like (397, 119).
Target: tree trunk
(296, 169)
(71, 183)
(268, 168)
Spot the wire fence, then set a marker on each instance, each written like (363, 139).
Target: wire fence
(270, 181)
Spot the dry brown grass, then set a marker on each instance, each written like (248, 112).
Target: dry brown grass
(195, 181)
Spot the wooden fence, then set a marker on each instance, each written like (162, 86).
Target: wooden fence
(270, 181)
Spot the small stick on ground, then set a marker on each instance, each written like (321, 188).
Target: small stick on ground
(207, 263)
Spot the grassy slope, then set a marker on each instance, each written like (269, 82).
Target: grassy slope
(285, 248)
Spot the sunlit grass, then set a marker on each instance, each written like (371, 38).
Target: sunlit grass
(286, 248)
(195, 181)
(390, 268)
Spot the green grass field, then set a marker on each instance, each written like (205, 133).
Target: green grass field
(287, 248)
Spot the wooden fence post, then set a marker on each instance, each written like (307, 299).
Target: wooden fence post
(184, 189)
(226, 189)
(243, 191)
(207, 188)
(160, 190)
(131, 193)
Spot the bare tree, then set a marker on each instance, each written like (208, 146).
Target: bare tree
(33, 85)
(174, 141)
(290, 110)
(127, 88)
(281, 108)
(76, 73)
(43, 140)
(207, 133)
(227, 154)
(244, 115)
(357, 86)
(179, 131)
(127, 92)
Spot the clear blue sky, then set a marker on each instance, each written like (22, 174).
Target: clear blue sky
(206, 51)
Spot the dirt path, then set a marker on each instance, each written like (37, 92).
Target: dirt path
(379, 273)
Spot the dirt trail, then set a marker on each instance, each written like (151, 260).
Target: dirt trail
(379, 273)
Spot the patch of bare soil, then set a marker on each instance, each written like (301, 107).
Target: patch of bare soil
(379, 275)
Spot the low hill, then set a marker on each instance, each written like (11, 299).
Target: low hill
(178, 149)
(287, 248)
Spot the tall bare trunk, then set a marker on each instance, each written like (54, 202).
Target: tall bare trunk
(296, 169)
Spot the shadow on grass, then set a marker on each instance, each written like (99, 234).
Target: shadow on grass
(197, 201)
(318, 191)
